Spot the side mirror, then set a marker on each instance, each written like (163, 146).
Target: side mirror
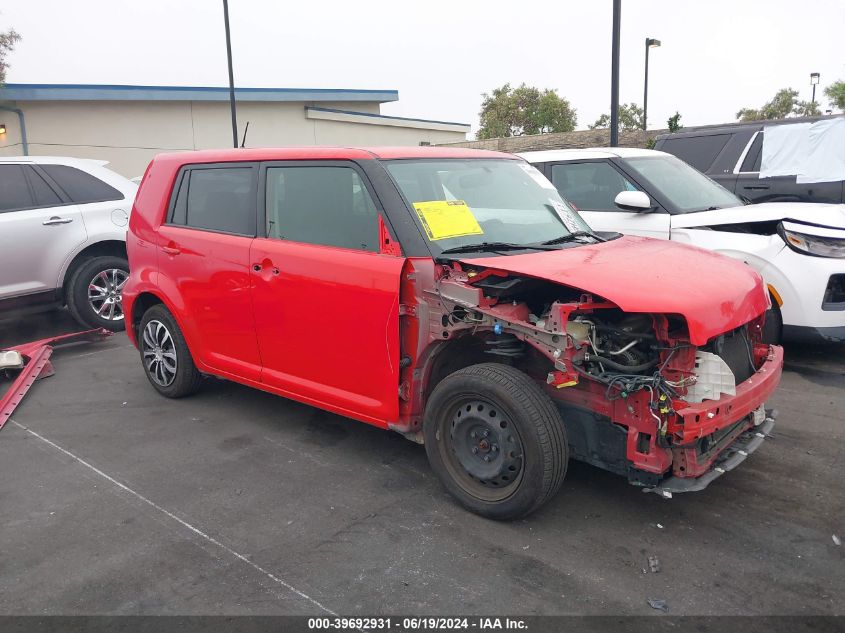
(633, 201)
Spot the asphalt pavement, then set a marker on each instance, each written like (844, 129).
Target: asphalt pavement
(114, 500)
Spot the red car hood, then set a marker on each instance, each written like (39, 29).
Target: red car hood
(713, 293)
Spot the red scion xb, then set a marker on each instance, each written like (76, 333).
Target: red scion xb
(452, 296)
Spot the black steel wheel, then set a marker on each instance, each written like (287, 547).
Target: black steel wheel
(485, 450)
(495, 440)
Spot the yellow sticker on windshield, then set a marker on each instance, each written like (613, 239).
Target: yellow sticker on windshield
(443, 219)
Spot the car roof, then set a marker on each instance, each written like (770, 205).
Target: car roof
(54, 160)
(729, 128)
(324, 153)
(546, 156)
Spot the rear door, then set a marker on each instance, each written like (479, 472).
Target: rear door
(39, 229)
(204, 264)
(592, 186)
(778, 188)
(326, 299)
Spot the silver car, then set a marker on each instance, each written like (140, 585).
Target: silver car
(63, 237)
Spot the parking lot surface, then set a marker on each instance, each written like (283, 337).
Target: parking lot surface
(114, 500)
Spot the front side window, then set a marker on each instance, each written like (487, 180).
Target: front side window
(80, 186)
(460, 203)
(327, 206)
(217, 200)
(590, 186)
(683, 188)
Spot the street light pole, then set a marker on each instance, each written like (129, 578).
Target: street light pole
(614, 75)
(231, 75)
(649, 43)
(814, 81)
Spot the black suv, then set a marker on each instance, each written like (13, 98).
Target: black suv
(730, 155)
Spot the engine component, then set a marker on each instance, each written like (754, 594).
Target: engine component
(713, 378)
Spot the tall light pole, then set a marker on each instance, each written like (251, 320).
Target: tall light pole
(231, 75)
(814, 81)
(614, 75)
(649, 43)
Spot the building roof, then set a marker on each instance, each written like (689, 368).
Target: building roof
(349, 116)
(107, 92)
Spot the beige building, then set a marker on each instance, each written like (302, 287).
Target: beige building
(128, 125)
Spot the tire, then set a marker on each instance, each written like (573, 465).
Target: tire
(93, 295)
(165, 356)
(525, 441)
(773, 328)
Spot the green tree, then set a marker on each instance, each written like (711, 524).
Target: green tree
(784, 104)
(7, 44)
(836, 93)
(630, 118)
(674, 123)
(524, 110)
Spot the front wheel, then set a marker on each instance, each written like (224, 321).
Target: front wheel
(495, 440)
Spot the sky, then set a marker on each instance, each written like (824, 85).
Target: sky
(716, 57)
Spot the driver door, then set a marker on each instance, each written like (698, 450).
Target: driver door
(325, 298)
(592, 186)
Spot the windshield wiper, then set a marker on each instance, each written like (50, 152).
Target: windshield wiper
(572, 236)
(494, 246)
(713, 208)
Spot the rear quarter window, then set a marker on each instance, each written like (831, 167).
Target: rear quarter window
(698, 151)
(81, 187)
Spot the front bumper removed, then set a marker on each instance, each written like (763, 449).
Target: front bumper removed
(731, 457)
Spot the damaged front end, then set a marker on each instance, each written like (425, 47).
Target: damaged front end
(636, 395)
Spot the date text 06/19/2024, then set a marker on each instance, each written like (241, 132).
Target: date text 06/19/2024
(416, 624)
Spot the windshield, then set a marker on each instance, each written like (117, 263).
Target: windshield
(459, 203)
(682, 187)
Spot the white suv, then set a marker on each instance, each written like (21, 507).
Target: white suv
(797, 247)
(63, 237)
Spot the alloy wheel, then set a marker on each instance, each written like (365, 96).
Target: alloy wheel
(104, 293)
(159, 353)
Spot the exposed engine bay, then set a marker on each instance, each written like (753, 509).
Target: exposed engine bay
(636, 395)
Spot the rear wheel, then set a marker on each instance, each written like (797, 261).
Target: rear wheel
(495, 440)
(165, 355)
(94, 293)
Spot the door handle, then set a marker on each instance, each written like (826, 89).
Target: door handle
(57, 220)
(171, 250)
(259, 267)
(756, 187)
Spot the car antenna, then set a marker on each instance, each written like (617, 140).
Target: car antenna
(246, 129)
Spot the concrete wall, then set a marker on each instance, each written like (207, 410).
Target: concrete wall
(562, 140)
(129, 133)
